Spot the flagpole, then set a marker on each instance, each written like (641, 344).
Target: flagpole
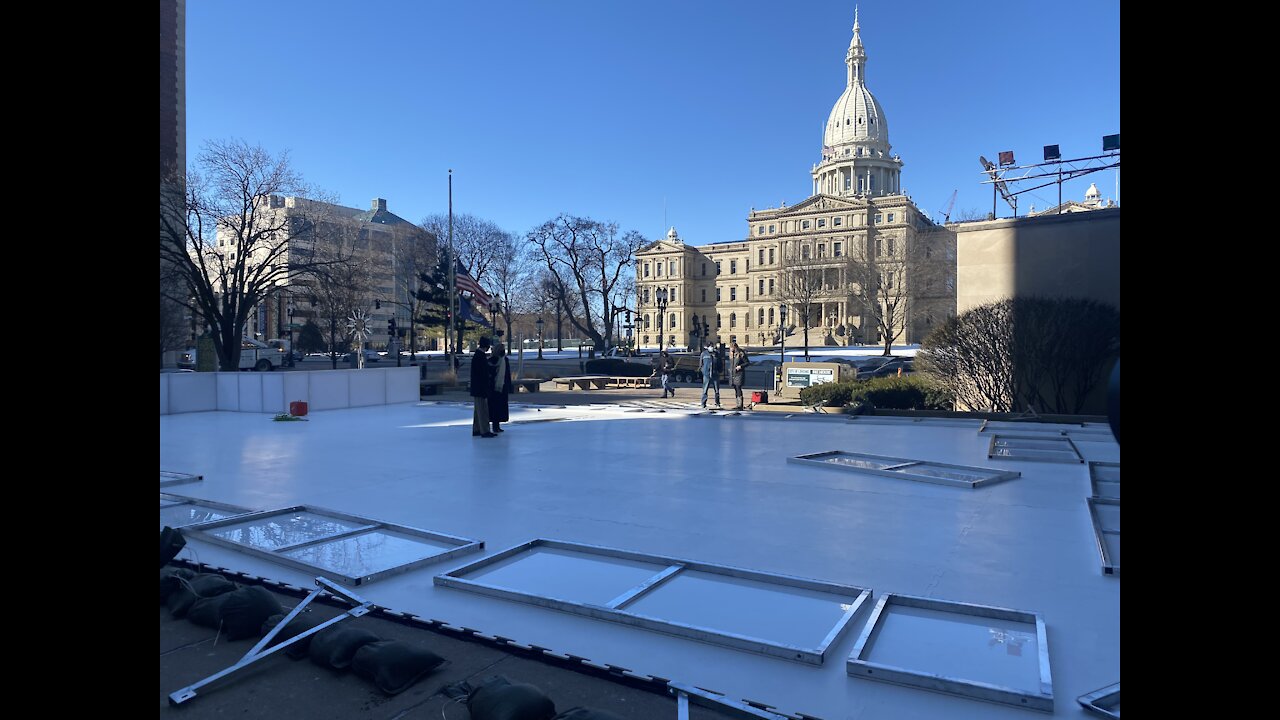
(453, 282)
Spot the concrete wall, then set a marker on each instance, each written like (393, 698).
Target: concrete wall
(1072, 255)
(272, 392)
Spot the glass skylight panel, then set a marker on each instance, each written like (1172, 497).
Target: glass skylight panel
(906, 469)
(776, 615)
(1039, 447)
(350, 548)
(976, 651)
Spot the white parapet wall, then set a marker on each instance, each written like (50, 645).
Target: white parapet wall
(271, 392)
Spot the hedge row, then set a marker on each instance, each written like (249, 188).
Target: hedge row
(906, 392)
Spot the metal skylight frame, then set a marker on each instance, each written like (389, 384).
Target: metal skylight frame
(1110, 565)
(1095, 477)
(1069, 445)
(858, 666)
(169, 477)
(205, 532)
(168, 500)
(900, 468)
(854, 597)
(1102, 702)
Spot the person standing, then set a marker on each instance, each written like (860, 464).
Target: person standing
(662, 364)
(738, 362)
(481, 388)
(711, 366)
(499, 405)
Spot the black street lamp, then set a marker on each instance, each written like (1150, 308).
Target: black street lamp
(539, 324)
(629, 326)
(289, 362)
(494, 307)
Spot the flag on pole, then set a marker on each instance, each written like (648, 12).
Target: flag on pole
(464, 282)
(470, 313)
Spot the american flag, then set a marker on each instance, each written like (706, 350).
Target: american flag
(466, 283)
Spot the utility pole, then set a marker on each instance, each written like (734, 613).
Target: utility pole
(453, 292)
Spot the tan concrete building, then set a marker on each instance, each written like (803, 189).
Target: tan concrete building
(393, 248)
(855, 232)
(1075, 254)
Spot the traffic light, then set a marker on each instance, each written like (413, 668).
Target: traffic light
(377, 304)
(391, 327)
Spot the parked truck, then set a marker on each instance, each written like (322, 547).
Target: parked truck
(254, 355)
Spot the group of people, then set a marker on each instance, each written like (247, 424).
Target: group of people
(491, 387)
(711, 365)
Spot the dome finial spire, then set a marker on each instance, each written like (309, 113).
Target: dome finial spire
(856, 58)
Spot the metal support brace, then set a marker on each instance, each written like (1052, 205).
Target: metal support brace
(255, 653)
(684, 692)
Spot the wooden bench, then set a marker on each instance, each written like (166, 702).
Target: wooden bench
(432, 387)
(585, 382)
(531, 385)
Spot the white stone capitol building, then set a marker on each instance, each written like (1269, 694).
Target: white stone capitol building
(857, 254)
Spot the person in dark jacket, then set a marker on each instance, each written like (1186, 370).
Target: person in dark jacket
(499, 407)
(738, 363)
(662, 366)
(481, 388)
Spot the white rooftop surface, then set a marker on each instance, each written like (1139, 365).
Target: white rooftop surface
(713, 489)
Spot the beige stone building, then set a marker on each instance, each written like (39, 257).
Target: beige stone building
(858, 249)
(393, 249)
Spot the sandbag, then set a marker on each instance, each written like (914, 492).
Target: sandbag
(205, 585)
(171, 579)
(393, 665)
(334, 647)
(301, 623)
(246, 609)
(499, 699)
(207, 612)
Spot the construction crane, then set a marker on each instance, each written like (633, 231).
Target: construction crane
(946, 214)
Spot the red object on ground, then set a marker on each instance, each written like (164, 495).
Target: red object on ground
(759, 396)
(298, 408)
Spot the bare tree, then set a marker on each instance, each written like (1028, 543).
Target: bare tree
(1039, 354)
(414, 256)
(971, 355)
(511, 272)
(886, 274)
(476, 241)
(346, 284)
(227, 246)
(586, 261)
(802, 286)
(174, 316)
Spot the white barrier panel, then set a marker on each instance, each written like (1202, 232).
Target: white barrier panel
(368, 388)
(330, 389)
(272, 392)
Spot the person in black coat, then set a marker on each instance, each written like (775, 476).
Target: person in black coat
(481, 388)
(499, 407)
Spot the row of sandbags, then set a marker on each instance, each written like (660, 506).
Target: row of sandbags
(497, 698)
(241, 612)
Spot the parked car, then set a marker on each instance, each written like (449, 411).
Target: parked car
(369, 356)
(882, 366)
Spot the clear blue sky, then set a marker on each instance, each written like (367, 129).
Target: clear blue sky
(610, 109)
